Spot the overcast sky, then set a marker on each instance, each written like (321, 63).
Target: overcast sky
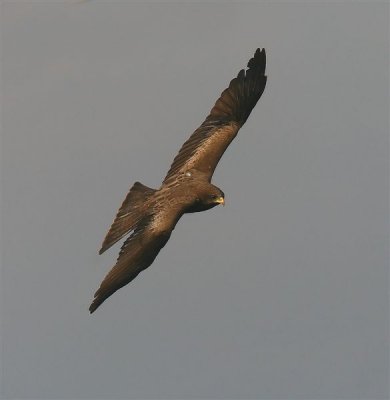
(283, 293)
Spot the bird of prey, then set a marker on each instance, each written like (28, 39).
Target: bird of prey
(150, 215)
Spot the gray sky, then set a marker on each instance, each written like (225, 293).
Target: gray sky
(283, 293)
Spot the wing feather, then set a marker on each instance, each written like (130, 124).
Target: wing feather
(207, 144)
(137, 253)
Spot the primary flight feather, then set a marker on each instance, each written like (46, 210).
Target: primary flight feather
(151, 215)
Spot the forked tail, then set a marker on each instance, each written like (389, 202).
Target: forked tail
(130, 213)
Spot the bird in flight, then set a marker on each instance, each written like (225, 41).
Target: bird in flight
(150, 215)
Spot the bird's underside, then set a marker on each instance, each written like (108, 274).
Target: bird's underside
(150, 215)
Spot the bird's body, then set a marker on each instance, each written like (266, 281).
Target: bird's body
(151, 215)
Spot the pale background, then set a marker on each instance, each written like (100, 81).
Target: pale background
(282, 294)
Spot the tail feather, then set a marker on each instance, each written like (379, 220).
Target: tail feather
(129, 214)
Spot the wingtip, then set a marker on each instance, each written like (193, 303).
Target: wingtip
(258, 60)
(94, 305)
(259, 51)
(105, 246)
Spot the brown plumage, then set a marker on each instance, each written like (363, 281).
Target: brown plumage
(151, 215)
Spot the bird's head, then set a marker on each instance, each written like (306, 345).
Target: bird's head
(215, 197)
(207, 196)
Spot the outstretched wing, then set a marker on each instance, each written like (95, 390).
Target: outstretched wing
(137, 253)
(207, 144)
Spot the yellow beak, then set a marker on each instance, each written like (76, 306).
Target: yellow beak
(220, 200)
